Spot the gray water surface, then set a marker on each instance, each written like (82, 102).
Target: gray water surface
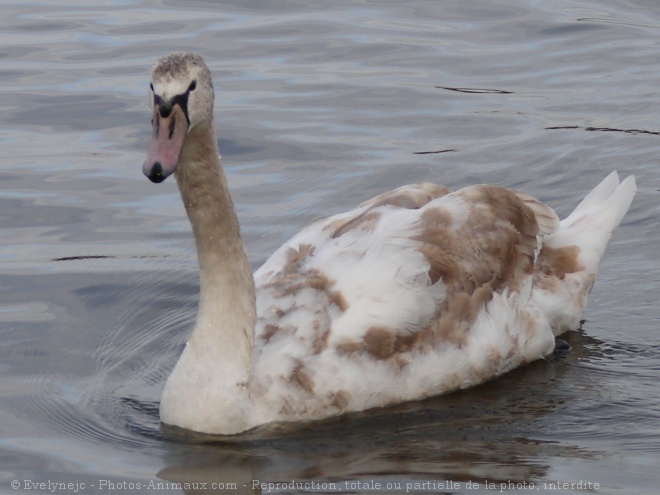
(320, 105)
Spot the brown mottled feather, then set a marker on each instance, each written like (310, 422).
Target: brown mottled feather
(490, 248)
(301, 378)
(493, 249)
(411, 197)
(558, 262)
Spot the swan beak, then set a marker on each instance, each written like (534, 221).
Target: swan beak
(169, 134)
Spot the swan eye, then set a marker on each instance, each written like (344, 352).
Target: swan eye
(192, 86)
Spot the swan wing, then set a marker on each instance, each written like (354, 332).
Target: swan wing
(386, 302)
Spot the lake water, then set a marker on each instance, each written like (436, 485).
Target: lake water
(320, 106)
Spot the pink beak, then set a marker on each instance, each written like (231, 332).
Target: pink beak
(169, 134)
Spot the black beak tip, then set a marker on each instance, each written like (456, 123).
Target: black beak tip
(156, 175)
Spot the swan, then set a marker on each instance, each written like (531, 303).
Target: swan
(417, 292)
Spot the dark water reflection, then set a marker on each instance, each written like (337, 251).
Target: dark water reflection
(320, 105)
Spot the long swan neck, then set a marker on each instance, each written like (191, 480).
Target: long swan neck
(226, 317)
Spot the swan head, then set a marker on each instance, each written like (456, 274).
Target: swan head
(181, 98)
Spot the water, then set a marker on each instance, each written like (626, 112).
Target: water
(320, 105)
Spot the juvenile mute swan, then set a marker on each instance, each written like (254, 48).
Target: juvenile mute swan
(416, 292)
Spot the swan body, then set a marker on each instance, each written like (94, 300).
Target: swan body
(416, 292)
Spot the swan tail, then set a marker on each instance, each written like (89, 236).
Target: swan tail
(591, 224)
(568, 261)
